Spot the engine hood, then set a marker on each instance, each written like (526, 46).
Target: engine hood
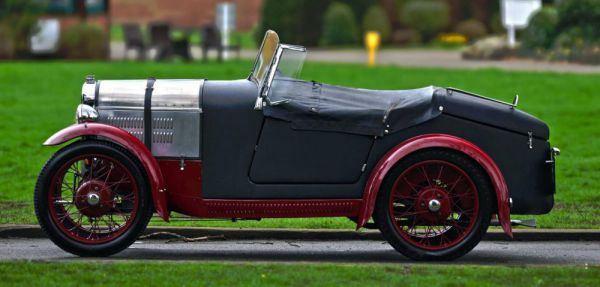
(475, 108)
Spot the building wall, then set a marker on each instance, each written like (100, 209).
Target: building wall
(182, 13)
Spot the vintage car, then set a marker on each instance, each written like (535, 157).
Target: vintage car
(430, 167)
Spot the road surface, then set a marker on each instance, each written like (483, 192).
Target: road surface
(356, 251)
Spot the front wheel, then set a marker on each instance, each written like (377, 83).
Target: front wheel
(435, 204)
(91, 198)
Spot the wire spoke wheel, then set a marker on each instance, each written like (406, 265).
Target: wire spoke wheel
(434, 204)
(93, 198)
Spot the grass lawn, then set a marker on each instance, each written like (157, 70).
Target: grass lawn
(39, 98)
(263, 274)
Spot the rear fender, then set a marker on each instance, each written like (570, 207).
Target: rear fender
(129, 142)
(436, 141)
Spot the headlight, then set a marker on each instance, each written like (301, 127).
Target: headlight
(88, 91)
(86, 113)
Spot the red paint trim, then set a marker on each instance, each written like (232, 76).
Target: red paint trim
(270, 208)
(132, 144)
(186, 182)
(436, 141)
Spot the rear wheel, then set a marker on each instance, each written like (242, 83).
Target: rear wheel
(91, 199)
(435, 204)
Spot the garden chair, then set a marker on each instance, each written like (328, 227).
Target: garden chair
(211, 39)
(160, 38)
(134, 39)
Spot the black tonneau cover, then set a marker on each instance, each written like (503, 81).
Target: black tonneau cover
(316, 106)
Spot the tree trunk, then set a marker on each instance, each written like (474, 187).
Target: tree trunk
(80, 10)
(456, 11)
(391, 9)
(481, 10)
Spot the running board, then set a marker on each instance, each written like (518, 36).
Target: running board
(515, 222)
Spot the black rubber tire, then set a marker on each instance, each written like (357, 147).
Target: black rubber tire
(41, 195)
(485, 194)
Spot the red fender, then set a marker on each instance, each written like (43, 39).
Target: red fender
(436, 141)
(129, 142)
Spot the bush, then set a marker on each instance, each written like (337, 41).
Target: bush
(541, 31)
(406, 36)
(582, 14)
(296, 21)
(427, 17)
(473, 29)
(84, 41)
(376, 20)
(570, 39)
(359, 7)
(340, 26)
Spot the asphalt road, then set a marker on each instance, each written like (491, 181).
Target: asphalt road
(358, 251)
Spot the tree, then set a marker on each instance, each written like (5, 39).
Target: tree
(391, 9)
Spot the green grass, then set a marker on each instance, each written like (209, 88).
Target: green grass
(37, 99)
(269, 274)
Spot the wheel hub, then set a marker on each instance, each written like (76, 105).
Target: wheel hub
(94, 198)
(434, 205)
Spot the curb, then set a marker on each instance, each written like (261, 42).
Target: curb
(34, 231)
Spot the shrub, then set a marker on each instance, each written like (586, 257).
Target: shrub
(406, 36)
(541, 31)
(427, 17)
(359, 7)
(570, 39)
(376, 20)
(583, 14)
(83, 41)
(473, 29)
(296, 21)
(340, 26)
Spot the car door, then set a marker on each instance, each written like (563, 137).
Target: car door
(287, 156)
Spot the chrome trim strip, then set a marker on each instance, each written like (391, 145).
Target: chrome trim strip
(514, 105)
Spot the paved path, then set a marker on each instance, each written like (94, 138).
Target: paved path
(446, 59)
(363, 251)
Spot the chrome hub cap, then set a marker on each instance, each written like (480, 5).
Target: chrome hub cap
(93, 199)
(434, 205)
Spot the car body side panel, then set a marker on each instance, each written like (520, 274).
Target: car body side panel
(230, 133)
(396, 154)
(230, 129)
(529, 178)
(286, 155)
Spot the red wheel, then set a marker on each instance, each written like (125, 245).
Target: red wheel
(91, 199)
(435, 204)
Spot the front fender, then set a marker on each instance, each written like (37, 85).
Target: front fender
(436, 141)
(129, 142)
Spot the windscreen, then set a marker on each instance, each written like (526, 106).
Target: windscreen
(265, 57)
(290, 62)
